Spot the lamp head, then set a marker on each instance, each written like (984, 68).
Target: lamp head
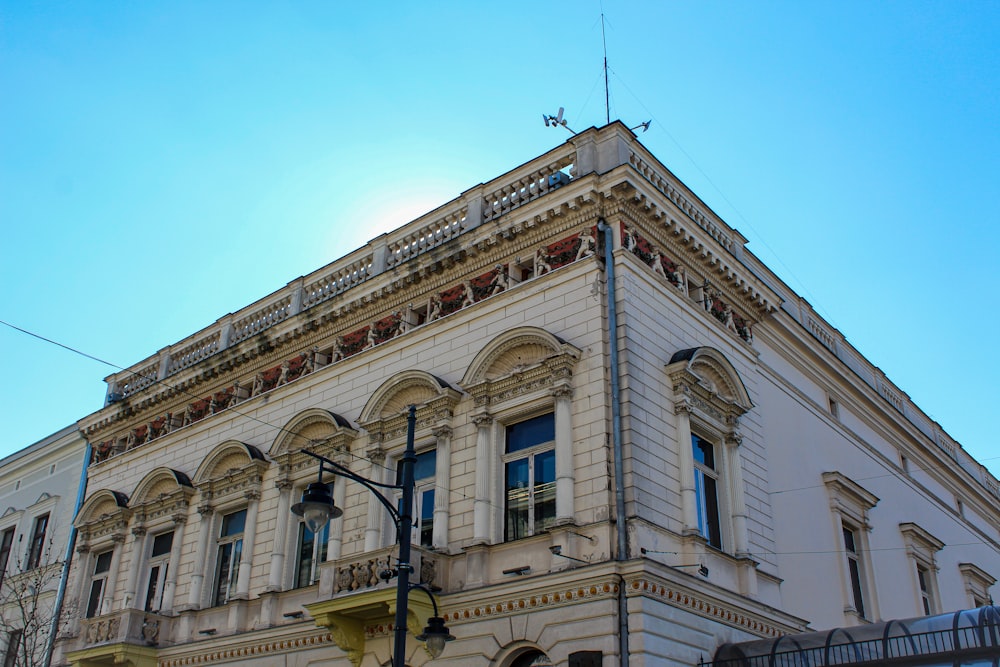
(435, 635)
(317, 507)
(556, 549)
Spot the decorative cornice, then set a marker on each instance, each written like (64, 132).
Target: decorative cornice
(250, 650)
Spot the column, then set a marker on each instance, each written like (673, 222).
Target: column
(373, 531)
(86, 568)
(734, 473)
(335, 536)
(689, 501)
(274, 580)
(482, 506)
(116, 562)
(207, 514)
(170, 585)
(249, 537)
(442, 487)
(565, 483)
(138, 551)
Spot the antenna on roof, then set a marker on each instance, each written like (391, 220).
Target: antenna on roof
(607, 90)
(556, 121)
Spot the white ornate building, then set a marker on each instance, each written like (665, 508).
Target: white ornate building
(654, 454)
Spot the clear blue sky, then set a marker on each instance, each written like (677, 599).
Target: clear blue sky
(165, 163)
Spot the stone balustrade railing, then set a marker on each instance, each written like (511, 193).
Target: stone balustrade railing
(403, 247)
(382, 254)
(129, 626)
(350, 575)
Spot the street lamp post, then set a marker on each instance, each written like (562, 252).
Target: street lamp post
(317, 508)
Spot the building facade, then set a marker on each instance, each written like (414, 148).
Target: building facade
(38, 491)
(634, 444)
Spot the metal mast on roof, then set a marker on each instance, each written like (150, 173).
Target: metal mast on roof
(607, 93)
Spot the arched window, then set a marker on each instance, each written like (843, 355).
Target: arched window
(709, 399)
(522, 385)
(384, 417)
(229, 484)
(327, 434)
(160, 503)
(103, 525)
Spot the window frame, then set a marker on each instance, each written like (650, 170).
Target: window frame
(99, 578)
(13, 642)
(316, 557)
(531, 453)
(421, 487)
(855, 568)
(921, 548)
(6, 547)
(234, 541)
(161, 563)
(850, 504)
(36, 544)
(706, 475)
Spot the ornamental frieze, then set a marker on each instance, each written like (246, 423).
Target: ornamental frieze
(708, 296)
(441, 303)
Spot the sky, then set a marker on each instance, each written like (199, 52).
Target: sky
(163, 164)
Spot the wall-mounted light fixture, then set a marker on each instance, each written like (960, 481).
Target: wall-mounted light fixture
(294, 614)
(207, 631)
(524, 569)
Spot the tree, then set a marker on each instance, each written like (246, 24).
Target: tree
(27, 603)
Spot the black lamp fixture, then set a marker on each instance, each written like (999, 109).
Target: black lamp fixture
(436, 634)
(317, 508)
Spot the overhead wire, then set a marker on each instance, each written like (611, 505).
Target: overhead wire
(461, 495)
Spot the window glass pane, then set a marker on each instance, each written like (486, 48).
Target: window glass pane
(37, 541)
(162, 544)
(713, 524)
(310, 554)
(303, 573)
(227, 570)
(545, 490)
(152, 602)
(103, 562)
(531, 432)
(232, 524)
(859, 603)
(849, 540)
(704, 452)
(427, 517)
(424, 467)
(517, 499)
(94, 602)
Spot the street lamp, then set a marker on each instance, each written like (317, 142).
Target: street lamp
(317, 508)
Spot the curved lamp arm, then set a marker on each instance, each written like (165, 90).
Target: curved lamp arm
(337, 469)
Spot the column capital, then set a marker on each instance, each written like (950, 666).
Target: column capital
(482, 420)
(561, 390)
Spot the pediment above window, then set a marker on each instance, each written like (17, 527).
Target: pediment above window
(320, 431)
(706, 378)
(104, 515)
(520, 361)
(385, 415)
(163, 493)
(232, 471)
